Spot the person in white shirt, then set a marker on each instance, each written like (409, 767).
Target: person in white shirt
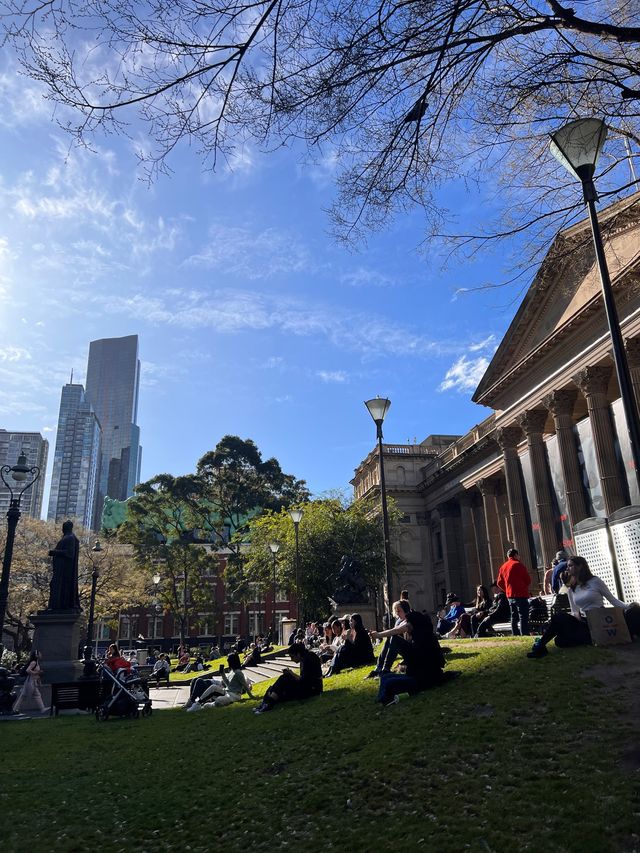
(586, 592)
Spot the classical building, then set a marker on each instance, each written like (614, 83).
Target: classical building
(555, 449)
(113, 380)
(76, 460)
(36, 449)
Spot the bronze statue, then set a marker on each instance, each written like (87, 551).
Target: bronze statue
(351, 587)
(63, 589)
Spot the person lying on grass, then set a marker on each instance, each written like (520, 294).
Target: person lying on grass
(356, 649)
(225, 690)
(415, 642)
(291, 686)
(586, 592)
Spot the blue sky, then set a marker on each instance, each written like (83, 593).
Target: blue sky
(252, 319)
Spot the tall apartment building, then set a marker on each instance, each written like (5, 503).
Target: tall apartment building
(36, 449)
(76, 461)
(113, 379)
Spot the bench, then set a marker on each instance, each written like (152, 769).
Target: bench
(69, 695)
(146, 672)
(535, 625)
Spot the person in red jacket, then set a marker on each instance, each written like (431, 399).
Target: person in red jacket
(514, 579)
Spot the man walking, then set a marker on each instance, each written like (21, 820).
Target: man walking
(514, 579)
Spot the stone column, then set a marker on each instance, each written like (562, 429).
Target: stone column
(508, 438)
(469, 543)
(495, 546)
(593, 382)
(561, 405)
(452, 554)
(532, 422)
(632, 347)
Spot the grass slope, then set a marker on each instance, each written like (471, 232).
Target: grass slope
(516, 755)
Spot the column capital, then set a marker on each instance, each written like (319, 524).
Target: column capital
(533, 421)
(488, 486)
(508, 437)
(632, 348)
(593, 379)
(561, 402)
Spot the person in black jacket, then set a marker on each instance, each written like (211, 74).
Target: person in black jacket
(356, 650)
(500, 611)
(291, 686)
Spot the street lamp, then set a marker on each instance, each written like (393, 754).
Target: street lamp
(378, 408)
(89, 665)
(20, 473)
(296, 517)
(275, 547)
(577, 146)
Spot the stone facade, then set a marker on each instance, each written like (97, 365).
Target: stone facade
(555, 449)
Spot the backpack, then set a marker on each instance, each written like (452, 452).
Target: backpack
(538, 610)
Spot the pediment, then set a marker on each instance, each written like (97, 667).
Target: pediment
(566, 282)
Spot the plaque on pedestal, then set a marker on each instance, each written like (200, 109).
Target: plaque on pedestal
(57, 637)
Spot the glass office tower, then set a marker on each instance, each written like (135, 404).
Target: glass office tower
(36, 449)
(113, 379)
(76, 460)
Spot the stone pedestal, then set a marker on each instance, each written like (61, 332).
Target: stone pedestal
(367, 611)
(57, 638)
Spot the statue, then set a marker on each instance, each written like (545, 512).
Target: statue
(63, 589)
(351, 587)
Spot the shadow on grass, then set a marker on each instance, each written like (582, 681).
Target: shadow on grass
(461, 655)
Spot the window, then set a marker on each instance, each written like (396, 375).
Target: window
(155, 627)
(256, 622)
(282, 593)
(206, 624)
(231, 623)
(125, 628)
(101, 630)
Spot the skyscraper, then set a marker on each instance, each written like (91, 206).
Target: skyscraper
(113, 378)
(36, 449)
(76, 461)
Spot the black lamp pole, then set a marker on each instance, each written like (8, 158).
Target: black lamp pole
(19, 473)
(577, 146)
(378, 408)
(296, 517)
(275, 547)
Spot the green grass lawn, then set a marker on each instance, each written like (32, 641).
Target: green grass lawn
(515, 755)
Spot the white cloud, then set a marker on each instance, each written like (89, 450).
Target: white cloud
(366, 277)
(464, 374)
(252, 255)
(11, 353)
(332, 375)
(488, 343)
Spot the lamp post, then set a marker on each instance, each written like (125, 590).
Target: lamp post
(378, 408)
(89, 663)
(20, 473)
(275, 547)
(95, 574)
(577, 146)
(296, 517)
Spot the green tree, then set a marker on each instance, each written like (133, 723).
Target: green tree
(120, 584)
(160, 524)
(329, 530)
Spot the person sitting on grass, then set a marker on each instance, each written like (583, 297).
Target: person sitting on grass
(289, 686)
(183, 661)
(468, 622)
(225, 690)
(448, 620)
(500, 611)
(389, 651)
(356, 649)
(414, 640)
(253, 656)
(586, 592)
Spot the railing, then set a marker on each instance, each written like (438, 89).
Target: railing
(472, 437)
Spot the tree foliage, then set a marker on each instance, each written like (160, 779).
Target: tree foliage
(119, 585)
(327, 532)
(403, 95)
(161, 517)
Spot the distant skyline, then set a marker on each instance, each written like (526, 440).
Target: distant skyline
(251, 319)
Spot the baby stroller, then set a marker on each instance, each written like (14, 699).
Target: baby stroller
(127, 697)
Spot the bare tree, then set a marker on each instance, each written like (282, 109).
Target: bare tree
(408, 94)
